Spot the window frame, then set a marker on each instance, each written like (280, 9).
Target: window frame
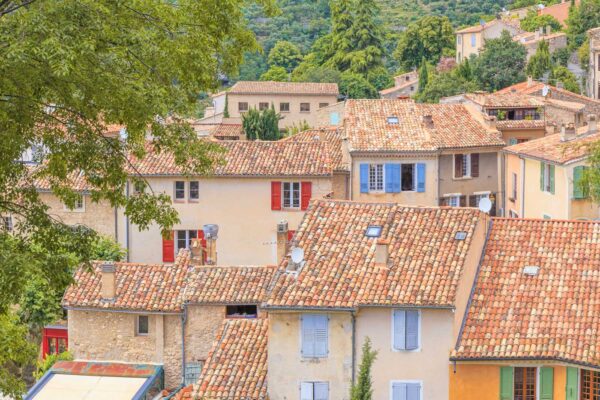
(419, 332)
(374, 188)
(406, 381)
(546, 179)
(302, 317)
(313, 388)
(536, 383)
(176, 191)
(188, 239)
(8, 223)
(467, 170)
(229, 315)
(291, 191)
(197, 195)
(242, 109)
(263, 105)
(284, 107)
(414, 177)
(581, 379)
(137, 325)
(451, 197)
(514, 185)
(306, 107)
(78, 208)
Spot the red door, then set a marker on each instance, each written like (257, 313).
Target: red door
(55, 340)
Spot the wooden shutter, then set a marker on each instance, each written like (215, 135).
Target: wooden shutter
(275, 195)
(290, 235)
(443, 201)
(572, 386)
(306, 391)
(364, 178)
(473, 201)
(321, 335)
(475, 165)
(305, 194)
(321, 390)
(551, 174)
(546, 383)
(399, 391)
(203, 244)
(463, 201)
(506, 383)
(308, 335)
(578, 190)
(412, 330)
(458, 165)
(413, 391)
(399, 329)
(542, 171)
(420, 177)
(168, 248)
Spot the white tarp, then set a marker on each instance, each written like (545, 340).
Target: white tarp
(85, 387)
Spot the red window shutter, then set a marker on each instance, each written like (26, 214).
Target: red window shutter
(275, 195)
(203, 244)
(168, 246)
(458, 166)
(306, 194)
(291, 235)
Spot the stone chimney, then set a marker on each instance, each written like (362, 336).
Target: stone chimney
(211, 232)
(491, 121)
(382, 252)
(282, 240)
(428, 120)
(592, 123)
(108, 281)
(567, 132)
(529, 81)
(197, 251)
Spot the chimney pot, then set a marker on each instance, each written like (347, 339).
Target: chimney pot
(282, 240)
(382, 252)
(108, 280)
(428, 120)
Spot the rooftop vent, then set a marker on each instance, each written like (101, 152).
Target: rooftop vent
(393, 120)
(461, 235)
(531, 270)
(428, 120)
(373, 231)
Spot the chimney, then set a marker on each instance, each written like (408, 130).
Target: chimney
(345, 151)
(282, 240)
(382, 252)
(567, 132)
(211, 232)
(491, 121)
(108, 281)
(592, 124)
(529, 81)
(197, 251)
(428, 120)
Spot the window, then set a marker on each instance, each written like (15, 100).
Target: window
(263, 106)
(458, 39)
(373, 231)
(334, 118)
(473, 40)
(314, 391)
(304, 107)
(453, 201)
(241, 311)
(393, 120)
(525, 383)
(139, 187)
(184, 239)
(406, 390)
(376, 177)
(590, 385)
(579, 189)
(514, 187)
(476, 198)
(466, 165)
(512, 141)
(192, 372)
(79, 205)
(179, 190)
(322, 105)
(406, 327)
(142, 325)
(242, 106)
(194, 190)
(291, 194)
(547, 178)
(408, 177)
(7, 223)
(546, 216)
(315, 335)
(284, 107)
(513, 214)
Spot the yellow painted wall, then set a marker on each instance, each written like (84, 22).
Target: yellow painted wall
(512, 165)
(539, 203)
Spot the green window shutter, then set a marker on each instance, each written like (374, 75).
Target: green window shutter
(551, 178)
(506, 383)
(579, 191)
(542, 176)
(546, 383)
(572, 389)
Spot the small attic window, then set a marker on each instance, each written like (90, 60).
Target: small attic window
(531, 270)
(461, 235)
(242, 311)
(373, 231)
(393, 120)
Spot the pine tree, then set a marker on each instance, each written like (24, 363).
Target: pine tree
(540, 63)
(363, 389)
(366, 37)
(226, 109)
(340, 43)
(423, 75)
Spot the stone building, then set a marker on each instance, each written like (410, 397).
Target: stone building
(470, 41)
(405, 85)
(594, 67)
(531, 40)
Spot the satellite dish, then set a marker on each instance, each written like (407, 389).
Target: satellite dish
(545, 90)
(297, 255)
(485, 205)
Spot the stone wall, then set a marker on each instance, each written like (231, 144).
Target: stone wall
(340, 184)
(203, 324)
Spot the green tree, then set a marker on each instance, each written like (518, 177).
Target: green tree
(380, 78)
(285, 55)
(366, 35)
(44, 365)
(445, 84)
(278, 74)
(500, 64)
(363, 389)
(561, 56)
(533, 22)
(584, 55)
(337, 45)
(354, 86)
(16, 353)
(581, 19)
(566, 77)
(540, 63)
(427, 39)
(424, 71)
(226, 108)
(261, 125)
(106, 249)
(316, 74)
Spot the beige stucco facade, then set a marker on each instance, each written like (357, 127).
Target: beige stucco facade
(99, 216)
(240, 206)
(332, 115)
(291, 117)
(522, 134)
(471, 43)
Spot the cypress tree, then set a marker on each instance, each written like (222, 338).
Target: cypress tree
(540, 62)
(363, 389)
(366, 37)
(341, 42)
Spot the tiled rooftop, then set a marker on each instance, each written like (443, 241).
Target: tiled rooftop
(332, 136)
(553, 315)
(426, 261)
(454, 126)
(291, 88)
(504, 100)
(481, 27)
(227, 131)
(536, 87)
(521, 124)
(252, 158)
(551, 148)
(75, 180)
(236, 368)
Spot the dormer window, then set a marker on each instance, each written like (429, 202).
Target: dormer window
(393, 120)
(373, 231)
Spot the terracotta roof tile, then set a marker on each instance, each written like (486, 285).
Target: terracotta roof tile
(292, 88)
(553, 315)
(75, 180)
(521, 124)
(252, 158)
(551, 148)
(366, 125)
(236, 368)
(535, 88)
(227, 131)
(426, 261)
(504, 100)
(332, 136)
(480, 27)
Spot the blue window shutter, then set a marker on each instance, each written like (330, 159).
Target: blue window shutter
(420, 177)
(412, 330)
(413, 391)
(578, 192)
(306, 391)
(399, 329)
(308, 335)
(396, 172)
(399, 391)
(389, 178)
(364, 178)
(321, 335)
(321, 390)
(512, 141)
(334, 118)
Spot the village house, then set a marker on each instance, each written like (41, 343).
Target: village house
(560, 11)
(594, 67)
(470, 41)
(260, 189)
(530, 331)
(542, 177)
(420, 154)
(531, 40)
(398, 275)
(405, 85)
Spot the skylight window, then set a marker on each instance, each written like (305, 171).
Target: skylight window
(531, 270)
(461, 235)
(393, 120)
(373, 231)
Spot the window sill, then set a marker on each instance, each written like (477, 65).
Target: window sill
(178, 200)
(291, 209)
(304, 112)
(194, 201)
(462, 178)
(418, 350)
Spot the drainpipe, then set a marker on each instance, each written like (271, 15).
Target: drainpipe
(183, 322)
(522, 188)
(353, 316)
(117, 224)
(127, 225)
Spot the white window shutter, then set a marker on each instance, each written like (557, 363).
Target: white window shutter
(321, 335)
(399, 391)
(308, 335)
(413, 391)
(306, 391)
(321, 390)
(399, 330)
(412, 330)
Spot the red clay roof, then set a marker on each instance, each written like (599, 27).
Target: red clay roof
(481, 27)
(551, 148)
(332, 136)
(425, 265)
(521, 124)
(554, 315)
(291, 88)
(95, 368)
(227, 131)
(536, 87)
(504, 100)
